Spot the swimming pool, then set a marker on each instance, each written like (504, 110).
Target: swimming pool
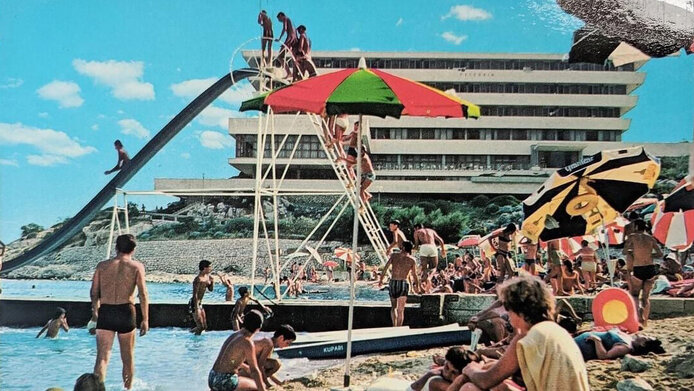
(179, 292)
(165, 359)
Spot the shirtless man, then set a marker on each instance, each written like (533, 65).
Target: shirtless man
(367, 175)
(289, 42)
(237, 314)
(202, 282)
(236, 350)
(302, 53)
(555, 274)
(55, 324)
(441, 377)
(283, 337)
(226, 281)
(113, 298)
(398, 236)
(589, 264)
(266, 40)
(530, 265)
(404, 265)
(640, 249)
(426, 239)
(123, 158)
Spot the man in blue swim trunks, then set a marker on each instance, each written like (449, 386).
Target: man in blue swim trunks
(403, 264)
(236, 350)
(113, 306)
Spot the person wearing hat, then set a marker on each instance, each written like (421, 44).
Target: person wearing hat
(398, 236)
(671, 268)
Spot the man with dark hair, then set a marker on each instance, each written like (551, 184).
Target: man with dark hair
(203, 281)
(112, 293)
(302, 55)
(440, 377)
(425, 239)
(89, 382)
(237, 313)
(266, 40)
(403, 264)
(640, 248)
(283, 337)
(398, 236)
(289, 42)
(123, 158)
(236, 350)
(55, 324)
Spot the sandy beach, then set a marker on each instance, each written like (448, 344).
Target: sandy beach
(671, 371)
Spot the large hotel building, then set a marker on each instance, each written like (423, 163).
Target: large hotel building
(539, 113)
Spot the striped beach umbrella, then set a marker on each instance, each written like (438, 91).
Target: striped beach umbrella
(362, 91)
(673, 218)
(614, 231)
(469, 241)
(578, 199)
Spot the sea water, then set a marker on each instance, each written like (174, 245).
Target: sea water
(165, 359)
(178, 292)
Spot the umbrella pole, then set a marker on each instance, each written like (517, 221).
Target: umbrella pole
(607, 250)
(355, 236)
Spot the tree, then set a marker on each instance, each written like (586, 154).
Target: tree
(30, 230)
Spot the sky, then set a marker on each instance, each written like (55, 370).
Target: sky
(77, 74)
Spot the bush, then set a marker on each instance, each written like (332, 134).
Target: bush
(239, 224)
(505, 200)
(480, 201)
(491, 209)
(31, 230)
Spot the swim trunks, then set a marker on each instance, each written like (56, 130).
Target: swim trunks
(589, 266)
(117, 317)
(644, 273)
(398, 288)
(351, 151)
(191, 308)
(368, 176)
(218, 381)
(428, 250)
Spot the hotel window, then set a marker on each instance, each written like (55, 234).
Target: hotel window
(591, 135)
(458, 134)
(473, 134)
(503, 134)
(427, 134)
(549, 135)
(564, 135)
(414, 134)
(519, 134)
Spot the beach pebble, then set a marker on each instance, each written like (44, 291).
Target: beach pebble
(634, 364)
(635, 384)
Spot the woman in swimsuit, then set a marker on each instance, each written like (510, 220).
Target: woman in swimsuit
(589, 264)
(570, 278)
(503, 252)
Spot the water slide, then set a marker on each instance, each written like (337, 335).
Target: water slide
(89, 211)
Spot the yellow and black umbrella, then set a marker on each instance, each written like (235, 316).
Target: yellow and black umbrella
(583, 196)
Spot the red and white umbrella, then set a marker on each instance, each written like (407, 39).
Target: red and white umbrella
(568, 246)
(345, 254)
(614, 231)
(469, 241)
(673, 218)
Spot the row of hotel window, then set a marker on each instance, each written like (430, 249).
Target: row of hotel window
(493, 134)
(532, 88)
(541, 111)
(462, 64)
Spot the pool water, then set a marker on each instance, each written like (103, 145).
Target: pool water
(165, 359)
(179, 292)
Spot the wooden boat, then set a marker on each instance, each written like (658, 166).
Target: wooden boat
(380, 340)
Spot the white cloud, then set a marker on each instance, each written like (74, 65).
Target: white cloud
(123, 77)
(46, 160)
(9, 162)
(217, 116)
(55, 146)
(95, 127)
(215, 140)
(133, 127)
(11, 82)
(452, 38)
(399, 22)
(43, 114)
(66, 93)
(190, 89)
(466, 12)
(185, 155)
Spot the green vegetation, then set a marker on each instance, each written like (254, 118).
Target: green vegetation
(672, 170)
(30, 230)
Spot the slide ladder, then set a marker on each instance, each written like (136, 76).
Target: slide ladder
(367, 217)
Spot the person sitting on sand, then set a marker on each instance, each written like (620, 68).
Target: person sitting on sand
(236, 350)
(404, 265)
(55, 324)
(671, 268)
(542, 350)
(570, 279)
(283, 337)
(123, 158)
(202, 282)
(614, 343)
(441, 377)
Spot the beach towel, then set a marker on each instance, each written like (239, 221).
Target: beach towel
(389, 383)
(549, 359)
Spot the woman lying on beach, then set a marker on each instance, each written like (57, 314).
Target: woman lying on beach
(614, 343)
(542, 350)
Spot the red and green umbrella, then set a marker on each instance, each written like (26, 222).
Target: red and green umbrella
(364, 92)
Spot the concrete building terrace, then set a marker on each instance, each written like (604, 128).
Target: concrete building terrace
(539, 113)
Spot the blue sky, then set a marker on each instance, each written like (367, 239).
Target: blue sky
(76, 75)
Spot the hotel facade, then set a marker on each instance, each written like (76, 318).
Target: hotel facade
(539, 113)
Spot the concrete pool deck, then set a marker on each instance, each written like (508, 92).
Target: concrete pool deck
(312, 316)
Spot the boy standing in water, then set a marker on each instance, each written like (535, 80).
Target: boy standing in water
(54, 325)
(203, 281)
